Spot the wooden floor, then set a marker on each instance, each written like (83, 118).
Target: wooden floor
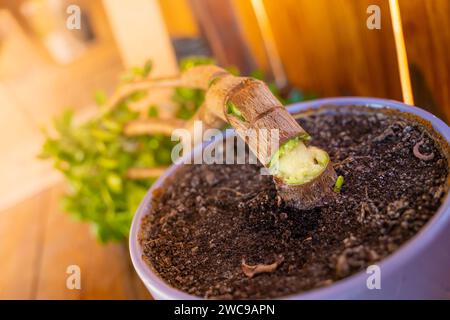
(37, 244)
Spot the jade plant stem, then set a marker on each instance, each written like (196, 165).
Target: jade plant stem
(303, 174)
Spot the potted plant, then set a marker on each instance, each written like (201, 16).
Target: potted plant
(218, 231)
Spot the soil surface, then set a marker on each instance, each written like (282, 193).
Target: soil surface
(210, 219)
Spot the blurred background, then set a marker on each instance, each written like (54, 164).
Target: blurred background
(303, 48)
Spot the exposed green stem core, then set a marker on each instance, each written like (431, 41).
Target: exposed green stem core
(233, 110)
(297, 163)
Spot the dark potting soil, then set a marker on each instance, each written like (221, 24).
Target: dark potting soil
(208, 219)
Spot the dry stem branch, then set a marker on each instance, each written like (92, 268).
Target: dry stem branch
(145, 173)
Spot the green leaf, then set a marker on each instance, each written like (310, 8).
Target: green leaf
(63, 123)
(147, 68)
(153, 112)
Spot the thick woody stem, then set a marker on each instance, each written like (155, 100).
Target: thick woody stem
(303, 174)
(209, 121)
(311, 194)
(260, 110)
(195, 78)
(248, 104)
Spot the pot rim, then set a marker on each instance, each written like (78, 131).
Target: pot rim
(405, 253)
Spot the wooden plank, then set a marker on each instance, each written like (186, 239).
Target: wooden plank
(106, 272)
(64, 244)
(426, 28)
(49, 90)
(37, 244)
(22, 173)
(327, 48)
(110, 275)
(21, 234)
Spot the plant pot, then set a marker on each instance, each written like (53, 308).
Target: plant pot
(418, 269)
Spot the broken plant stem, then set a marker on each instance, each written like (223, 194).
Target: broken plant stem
(303, 174)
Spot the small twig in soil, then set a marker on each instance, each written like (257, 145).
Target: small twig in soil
(279, 201)
(251, 271)
(364, 208)
(254, 194)
(367, 209)
(231, 190)
(342, 266)
(384, 135)
(419, 155)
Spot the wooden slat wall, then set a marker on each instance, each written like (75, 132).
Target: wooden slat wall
(251, 32)
(426, 26)
(326, 47)
(178, 17)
